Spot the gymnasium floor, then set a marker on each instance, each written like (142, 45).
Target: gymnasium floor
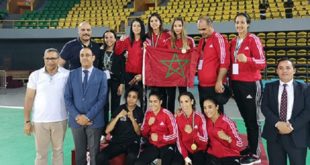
(19, 149)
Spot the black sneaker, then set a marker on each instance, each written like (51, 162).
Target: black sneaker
(250, 160)
(245, 152)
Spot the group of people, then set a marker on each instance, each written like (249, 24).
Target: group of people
(175, 135)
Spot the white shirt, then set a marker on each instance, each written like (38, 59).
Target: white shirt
(49, 103)
(290, 97)
(89, 72)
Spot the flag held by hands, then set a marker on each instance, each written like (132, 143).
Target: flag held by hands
(170, 68)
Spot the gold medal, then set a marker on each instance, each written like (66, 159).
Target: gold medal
(194, 147)
(183, 50)
(188, 128)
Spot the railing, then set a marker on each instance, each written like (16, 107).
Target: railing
(43, 24)
(48, 24)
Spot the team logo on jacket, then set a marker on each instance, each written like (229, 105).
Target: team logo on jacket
(211, 46)
(246, 48)
(161, 123)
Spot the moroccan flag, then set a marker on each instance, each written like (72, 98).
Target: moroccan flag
(170, 68)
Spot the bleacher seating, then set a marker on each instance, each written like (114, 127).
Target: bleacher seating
(108, 13)
(289, 44)
(3, 13)
(301, 8)
(48, 17)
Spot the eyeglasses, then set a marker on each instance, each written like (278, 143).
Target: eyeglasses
(50, 58)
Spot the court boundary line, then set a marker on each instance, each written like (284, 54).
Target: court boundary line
(11, 107)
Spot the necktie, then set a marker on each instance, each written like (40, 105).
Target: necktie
(283, 106)
(84, 84)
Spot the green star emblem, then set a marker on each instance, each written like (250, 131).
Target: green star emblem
(179, 70)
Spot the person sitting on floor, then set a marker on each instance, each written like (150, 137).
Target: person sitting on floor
(125, 130)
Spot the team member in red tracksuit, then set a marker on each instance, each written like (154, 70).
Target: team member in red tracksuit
(157, 37)
(180, 41)
(192, 133)
(224, 141)
(160, 129)
(214, 61)
(248, 59)
(134, 45)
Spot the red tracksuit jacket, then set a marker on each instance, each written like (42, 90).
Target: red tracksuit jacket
(159, 42)
(164, 126)
(199, 135)
(221, 148)
(135, 54)
(253, 49)
(179, 43)
(215, 55)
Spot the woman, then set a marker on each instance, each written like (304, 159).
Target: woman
(248, 60)
(114, 67)
(179, 41)
(160, 130)
(192, 133)
(158, 36)
(224, 141)
(125, 130)
(134, 45)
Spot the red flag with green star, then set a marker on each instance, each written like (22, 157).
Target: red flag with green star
(170, 68)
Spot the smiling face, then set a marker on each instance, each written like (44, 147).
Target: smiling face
(177, 28)
(84, 31)
(186, 104)
(210, 109)
(155, 103)
(286, 71)
(155, 23)
(109, 39)
(136, 28)
(241, 24)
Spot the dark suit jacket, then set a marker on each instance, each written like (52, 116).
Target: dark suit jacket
(300, 115)
(89, 103)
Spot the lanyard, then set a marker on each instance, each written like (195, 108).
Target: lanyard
(238, 45)
(155, 45)
(107, 63)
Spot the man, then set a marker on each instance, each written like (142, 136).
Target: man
(85, 96)
(71, 50)
(214, 61)
(44, 95)
(286, 107)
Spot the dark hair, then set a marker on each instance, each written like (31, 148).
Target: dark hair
(149, 28)
(131, 89)
(214, 101)
(142, 33)
(88, 49)
(104, 44)
(157, 94)
(190, 95)
(247, 17)
(285, 59)
(207, 19)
